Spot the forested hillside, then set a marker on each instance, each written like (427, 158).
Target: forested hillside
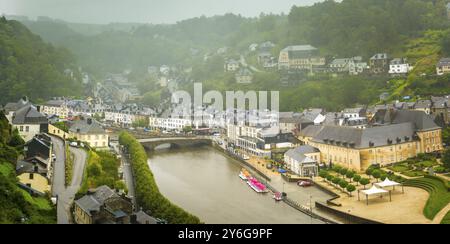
(29, 66)
(16, 205)
(416, 29)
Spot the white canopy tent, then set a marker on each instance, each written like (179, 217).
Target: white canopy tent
(389, 183)
(374, 191)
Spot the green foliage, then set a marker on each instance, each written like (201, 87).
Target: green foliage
(364, 182)
(350, 188)
(350, 174)
(62, 126)
(330, 178)
(17, 206)
(102, 169)
(68, 166)
(343, 184)
(323, 174)
(446, 219)
(439, 194)
(343, 171)
(28, 66)
(147, 192)
(376, 174)
(369, 171)
(336, 180)
(356, 178)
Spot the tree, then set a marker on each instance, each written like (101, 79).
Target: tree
(336, 180)
(343, 184)
(351, 188)
(356, 178)
(350, 174)
(323, 174)
(376, 174)
(187, 129)
(330, 178)
(364, 182)
(94, 170)
(369, 171)
(343, 171)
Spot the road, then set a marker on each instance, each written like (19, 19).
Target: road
(127, 172)
(66, 195)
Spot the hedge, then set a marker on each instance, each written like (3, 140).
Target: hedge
(148, 195)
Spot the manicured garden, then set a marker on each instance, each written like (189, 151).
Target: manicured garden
(417, 167)
(438, 190)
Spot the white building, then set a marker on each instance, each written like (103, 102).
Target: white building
(169, 124)
(399, 66)
(303, 160)
(29, 122)
(231, 65)
(56, 107)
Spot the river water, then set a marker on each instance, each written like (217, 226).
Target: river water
(206, 183)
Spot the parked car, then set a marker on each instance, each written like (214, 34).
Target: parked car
(74, 144)
(305, 183)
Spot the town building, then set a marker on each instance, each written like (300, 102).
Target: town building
(303, 161)
(303, 57)
(10, 108)
(399, 66)
(394, 137)
(90, 131)
(443, 66)
(103, 206)
(231, 65)
(379, 63)
(56, 106)
(244, 76)
(35, 171)
(423, 105)
(29, 122)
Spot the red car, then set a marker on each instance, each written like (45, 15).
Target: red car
(304, 183)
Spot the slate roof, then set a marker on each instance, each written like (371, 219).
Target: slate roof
(144, 218)
(95, 199)
(16, 106)
(311, 131)
(366, 138)
(422, 104)
(298, 153)
(86, 126)
(420, 120)
(28, 166)
(300, 51)
(443, 62)
(29, 115)
(54, 103)
(379, 56)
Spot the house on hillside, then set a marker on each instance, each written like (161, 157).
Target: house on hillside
(379, 63)
(443, 66)
(90, 131)
(244, 76)
(29, 122)
(10, 108)
(399, 66)
(231, 65)
(103, 206)
(301, 57)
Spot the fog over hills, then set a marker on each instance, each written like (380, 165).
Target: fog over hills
(148, 11)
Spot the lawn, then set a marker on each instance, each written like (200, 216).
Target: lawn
(439, 194)
(446, 219)
(414, 173)
(426, 164)
(399, 168)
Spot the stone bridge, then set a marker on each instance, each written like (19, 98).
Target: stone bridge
(175, 142)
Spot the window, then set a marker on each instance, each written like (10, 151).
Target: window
(27, 128)
(31, 176)
(21, 128)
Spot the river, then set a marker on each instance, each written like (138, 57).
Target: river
(205, 182)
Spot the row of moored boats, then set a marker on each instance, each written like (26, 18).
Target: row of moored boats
(256, 185)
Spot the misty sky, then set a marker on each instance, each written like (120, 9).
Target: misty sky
(148, 11)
